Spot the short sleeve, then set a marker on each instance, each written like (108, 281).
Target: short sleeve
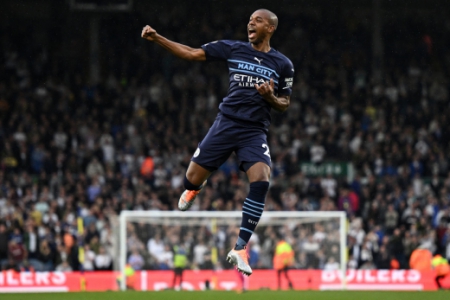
(286, 79)
(218, 50)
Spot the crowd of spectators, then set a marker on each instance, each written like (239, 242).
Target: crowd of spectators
(316, 244)
(75, 153)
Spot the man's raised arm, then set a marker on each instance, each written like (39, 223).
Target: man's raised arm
(177, 49)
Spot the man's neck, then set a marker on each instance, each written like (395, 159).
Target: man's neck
(263, 47)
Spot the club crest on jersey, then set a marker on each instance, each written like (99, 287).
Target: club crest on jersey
(197, 152)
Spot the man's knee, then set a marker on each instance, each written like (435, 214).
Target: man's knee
(197, 174)
(258, 172)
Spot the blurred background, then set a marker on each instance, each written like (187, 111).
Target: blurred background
(95, 120)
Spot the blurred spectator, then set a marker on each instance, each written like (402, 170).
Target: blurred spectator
(95, 245)
(331, 264)
(391, 219)
(94, 168)
(89, 259)
(199, 252)
(46, 256)
(135, 260)
(16, 254)
(32, 242)
(317, 153)
(63, 267)
(103, 260)
(155, 247)
(91, 233)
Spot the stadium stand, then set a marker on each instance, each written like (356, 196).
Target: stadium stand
(72, 149)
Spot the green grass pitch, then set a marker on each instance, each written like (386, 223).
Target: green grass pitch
(219, 295)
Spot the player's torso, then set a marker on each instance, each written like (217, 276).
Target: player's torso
(248, 67)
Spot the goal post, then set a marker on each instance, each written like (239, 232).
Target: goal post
(278, 219)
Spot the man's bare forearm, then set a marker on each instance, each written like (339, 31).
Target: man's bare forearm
(266, 91)
(179, 50)
(278, 103)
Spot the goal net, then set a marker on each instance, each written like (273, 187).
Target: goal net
(148, 239)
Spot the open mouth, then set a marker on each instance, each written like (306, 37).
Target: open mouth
(251, 33)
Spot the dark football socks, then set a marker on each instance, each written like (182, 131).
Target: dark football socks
(189, 186)
(251, 212)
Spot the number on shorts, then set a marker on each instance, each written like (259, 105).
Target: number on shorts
(267, 150)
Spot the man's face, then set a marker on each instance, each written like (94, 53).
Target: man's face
(258, 27)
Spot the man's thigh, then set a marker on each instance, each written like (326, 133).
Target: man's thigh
(217, 145)
(253, 148)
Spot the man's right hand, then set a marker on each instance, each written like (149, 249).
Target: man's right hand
(148, 33)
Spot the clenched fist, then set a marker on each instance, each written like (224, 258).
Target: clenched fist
(148, 33)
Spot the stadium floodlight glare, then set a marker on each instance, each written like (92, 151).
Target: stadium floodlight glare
(334, 222)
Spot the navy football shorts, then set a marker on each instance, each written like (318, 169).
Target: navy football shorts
(227, 135)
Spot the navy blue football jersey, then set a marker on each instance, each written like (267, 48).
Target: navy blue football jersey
(248, 67)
